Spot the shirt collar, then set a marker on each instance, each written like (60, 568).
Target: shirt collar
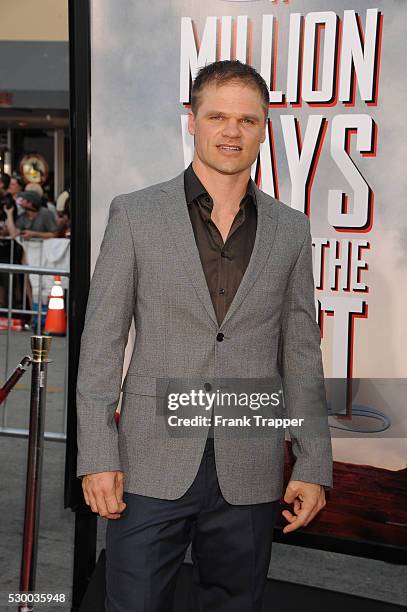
(194, 188)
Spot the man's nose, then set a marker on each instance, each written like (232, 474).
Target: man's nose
(231, 128)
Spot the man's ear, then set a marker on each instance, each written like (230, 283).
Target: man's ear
(191, 123)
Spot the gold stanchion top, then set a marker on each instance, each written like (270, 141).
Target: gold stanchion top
(40, 346)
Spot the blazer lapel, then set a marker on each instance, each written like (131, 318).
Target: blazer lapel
(267, 219)
(179, 223)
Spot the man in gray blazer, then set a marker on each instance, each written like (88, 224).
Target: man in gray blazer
(218, 277)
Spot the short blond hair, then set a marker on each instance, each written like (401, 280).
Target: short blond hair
(35, 187)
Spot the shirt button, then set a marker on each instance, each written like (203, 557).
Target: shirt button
(222, 291)
(207, 199)
(220, 337)
(207, 386)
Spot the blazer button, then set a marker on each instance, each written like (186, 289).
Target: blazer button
(220, 337)
(207, 386)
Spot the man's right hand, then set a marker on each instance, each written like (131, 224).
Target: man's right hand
(103, 492)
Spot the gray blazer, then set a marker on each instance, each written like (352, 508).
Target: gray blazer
(149, 268)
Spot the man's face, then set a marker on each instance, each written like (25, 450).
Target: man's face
(228, 127)
(29, 209)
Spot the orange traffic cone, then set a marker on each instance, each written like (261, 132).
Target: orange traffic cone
(55, 322)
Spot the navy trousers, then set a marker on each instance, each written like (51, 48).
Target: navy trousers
(231, 548)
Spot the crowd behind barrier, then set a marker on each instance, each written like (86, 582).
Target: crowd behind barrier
(33, 232)
(34, 246)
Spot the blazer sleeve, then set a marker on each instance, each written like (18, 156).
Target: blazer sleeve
(108, 318)
(302, 373)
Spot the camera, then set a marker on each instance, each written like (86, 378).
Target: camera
(6, 201)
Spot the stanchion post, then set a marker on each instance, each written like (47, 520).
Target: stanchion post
(40, 346)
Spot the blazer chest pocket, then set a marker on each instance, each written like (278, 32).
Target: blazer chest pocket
(145, 385)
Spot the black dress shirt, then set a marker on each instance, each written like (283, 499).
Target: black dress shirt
(224, 263)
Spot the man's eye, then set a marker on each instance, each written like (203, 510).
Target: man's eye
(217, 117)
(248, 121)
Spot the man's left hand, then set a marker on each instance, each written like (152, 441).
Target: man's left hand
(27, 234)
(308, 498)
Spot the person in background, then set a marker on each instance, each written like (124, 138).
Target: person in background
(4, 182)
(12, 252)
(35, 222)
(15, 187)
(64, 214)
(44, 200)
(6, 201)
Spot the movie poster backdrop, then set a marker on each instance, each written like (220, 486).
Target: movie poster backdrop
(335, 150)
